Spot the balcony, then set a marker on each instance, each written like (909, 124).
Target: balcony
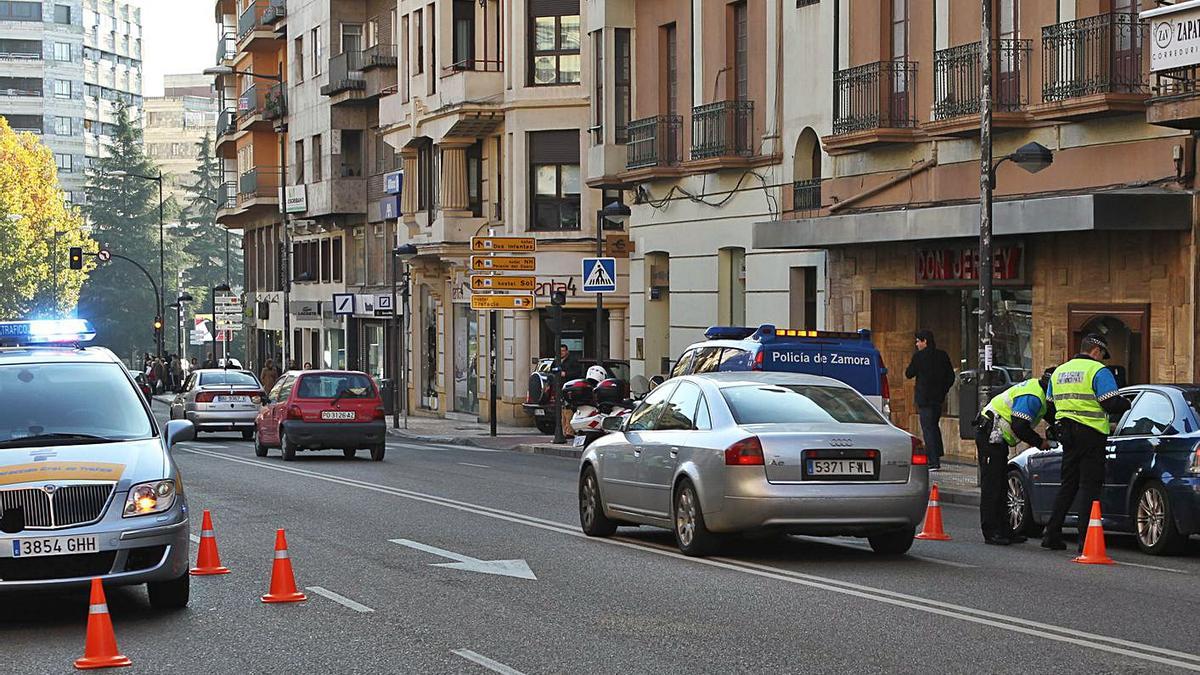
(380, 56)
(654, 142)
(226, 48)
(252, 103)
(252, 34)
(256, 187)
(1093, 66)
(227, 196)
(471, 80)
(275, 103)
(806, 197)
(346, 78)
(958, 81)
(724, 129)
(876, 105)
(225, 124)
(275, 11)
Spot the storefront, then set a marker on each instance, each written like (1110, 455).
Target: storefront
(466, 358)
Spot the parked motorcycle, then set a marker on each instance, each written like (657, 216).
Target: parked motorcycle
(608, 399)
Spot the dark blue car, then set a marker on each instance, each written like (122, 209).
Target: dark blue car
(1151, 472)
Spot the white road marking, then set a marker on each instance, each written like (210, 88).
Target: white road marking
(194, 538)
(341, 599)
(1013, 624)
(504, 568)
(480, 466)
(861, 546)
(490, 664)
(440, 446)
(1149, 567)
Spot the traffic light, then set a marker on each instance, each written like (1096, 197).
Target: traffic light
(158, 323)
(76, 254)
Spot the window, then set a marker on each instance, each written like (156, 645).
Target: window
(62, 89)
(1151, 415)
(318, 53)
(337, 259)
(741, 39)
(798, 404)
(671, 65)
(425, 178)
(63, 161)
(623, 86)
(708, 359)
(299, 156)
(703, 420)
(598, 88)
(326, 261)
(464, 34)
(433, 52)
(352, 37)
(298, 57)
(62, 14)
(554, 42)
(554, 180)
(62, 51)
(62, 126)
(684, 364)
(806, 3)
(406, 61)
(644, 417)
(21, 11)
(680, 413)
(419, 29)
(316, 158)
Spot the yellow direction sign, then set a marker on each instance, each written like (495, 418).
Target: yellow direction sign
(483, 263)
(503, 244)
(483, 302)
(481, 283)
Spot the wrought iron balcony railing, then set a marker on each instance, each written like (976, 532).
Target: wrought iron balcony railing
(958, 78)
(877, 95)
(723, 129)
(654, 141)
(1099, 54)
(227, 196)
(806, 195)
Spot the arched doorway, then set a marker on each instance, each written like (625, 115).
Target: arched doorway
(1125, 328)
(806, 172)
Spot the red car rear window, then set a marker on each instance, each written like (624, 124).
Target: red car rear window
(330, 385)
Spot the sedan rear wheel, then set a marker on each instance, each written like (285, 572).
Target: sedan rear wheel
(260, 450)
(288, 447)
(1156, 531)
(691, 534)
(893, 542)
(1020, 511)
(591, 507)
(377, 452)
(349, 453)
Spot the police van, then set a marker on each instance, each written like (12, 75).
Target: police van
(847, 357)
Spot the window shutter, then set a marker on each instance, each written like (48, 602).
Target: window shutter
(553, 7)
(554, 147)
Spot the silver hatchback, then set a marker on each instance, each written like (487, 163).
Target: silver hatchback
(718, 453)
(214, 399)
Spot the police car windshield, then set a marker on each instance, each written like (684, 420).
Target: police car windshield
(65, 403)
(798, 404)
(234, 377)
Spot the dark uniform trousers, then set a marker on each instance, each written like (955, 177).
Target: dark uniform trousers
(993, 482)
(1082, 474)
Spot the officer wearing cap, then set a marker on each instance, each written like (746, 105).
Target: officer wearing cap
(1084, 393)
(1009, 418)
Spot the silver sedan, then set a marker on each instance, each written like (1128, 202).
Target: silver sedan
(220, 400)
(706, 455)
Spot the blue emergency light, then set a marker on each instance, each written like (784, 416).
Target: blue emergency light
(46, 332)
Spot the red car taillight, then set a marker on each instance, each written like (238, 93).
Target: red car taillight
(757, 364)
(295, 413)
(379, 413)
(746, 452)
(919, 458)
(205, 397)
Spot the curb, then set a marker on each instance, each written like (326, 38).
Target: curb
(550, 450)
(957, 496)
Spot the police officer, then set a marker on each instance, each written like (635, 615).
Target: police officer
(1010, 417)
(1084, 393)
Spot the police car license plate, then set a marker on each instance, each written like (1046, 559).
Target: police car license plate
(45, 546)
(337, 414)
(233, 399)
(841, 467)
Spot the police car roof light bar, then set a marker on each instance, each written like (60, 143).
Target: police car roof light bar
(46, 332)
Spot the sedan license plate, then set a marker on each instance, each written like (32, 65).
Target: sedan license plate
(539, 412)
(841, 467)
(232, 399)
(337, 414)
(46, 546)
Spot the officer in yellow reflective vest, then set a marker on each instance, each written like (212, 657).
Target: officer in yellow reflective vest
(1084, 393)
(1008, 419)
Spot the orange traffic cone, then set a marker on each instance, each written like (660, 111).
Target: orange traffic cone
(101, 648)
(208, 561)
(1094, 552)
(933, 519)
(283, 582)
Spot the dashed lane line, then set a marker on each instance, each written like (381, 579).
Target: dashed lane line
(341, 599)
(491, 664)
(439, 446)
(1134, 650)
(1150, 567)
(479, 466)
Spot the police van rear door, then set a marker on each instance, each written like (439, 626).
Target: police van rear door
(854, 361)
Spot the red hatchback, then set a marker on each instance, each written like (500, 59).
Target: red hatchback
(321, 410)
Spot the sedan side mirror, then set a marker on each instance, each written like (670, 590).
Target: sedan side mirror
(611, 424)
(178, 431)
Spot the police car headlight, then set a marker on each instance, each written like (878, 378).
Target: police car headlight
(147, 498)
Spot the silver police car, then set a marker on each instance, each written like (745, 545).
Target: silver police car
(87, 484)
(718, 453)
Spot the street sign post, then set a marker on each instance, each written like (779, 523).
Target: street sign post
(521, 301)
(503, 245)
(483, 263)
(500, 283)
(599, 275)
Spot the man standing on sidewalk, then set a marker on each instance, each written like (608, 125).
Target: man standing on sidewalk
(934, 374)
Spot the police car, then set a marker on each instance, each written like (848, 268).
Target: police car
(848, 357)
(87, 485)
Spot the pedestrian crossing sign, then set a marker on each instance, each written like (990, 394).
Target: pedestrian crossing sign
(599, 275)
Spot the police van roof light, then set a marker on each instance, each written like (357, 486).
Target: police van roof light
(728, 333)
(46, 331)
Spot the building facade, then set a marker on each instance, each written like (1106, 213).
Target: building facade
(42, 80)
(112, 69)
(174, 124)
(1103, 240)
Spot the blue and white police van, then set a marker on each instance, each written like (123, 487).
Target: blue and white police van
(847, 357)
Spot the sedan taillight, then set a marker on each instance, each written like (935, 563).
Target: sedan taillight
(295, 413)
(746, 452)
(205, 397)
(919, 458)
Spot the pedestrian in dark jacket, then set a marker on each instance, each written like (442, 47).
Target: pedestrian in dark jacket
(935, 375)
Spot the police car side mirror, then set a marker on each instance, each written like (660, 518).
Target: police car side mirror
(178, 431)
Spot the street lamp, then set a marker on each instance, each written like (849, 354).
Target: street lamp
(615, 213)
(403, 253)
(212, 298)
(180, 301)
(162, 288)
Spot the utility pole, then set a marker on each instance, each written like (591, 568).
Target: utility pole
(984, 374)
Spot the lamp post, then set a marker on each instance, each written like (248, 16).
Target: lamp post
(403, 253)
(183, 298)
(212, 299)
(615, 212)
(162, 265)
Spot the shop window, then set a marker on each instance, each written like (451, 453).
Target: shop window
(554, 42)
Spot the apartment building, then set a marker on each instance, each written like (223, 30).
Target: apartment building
(490, 119)
(174, 124)
(1101, 240)
(112, 68)
(42, 80)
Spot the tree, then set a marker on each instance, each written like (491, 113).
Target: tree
(37, 228)
(124, 214)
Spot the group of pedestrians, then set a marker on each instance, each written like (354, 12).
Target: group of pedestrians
(166, 375)
(1077, 399)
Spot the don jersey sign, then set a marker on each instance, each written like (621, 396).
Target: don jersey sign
(952, 266)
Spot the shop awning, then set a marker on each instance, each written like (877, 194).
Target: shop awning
(1131, 210)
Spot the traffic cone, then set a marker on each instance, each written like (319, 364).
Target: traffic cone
(208, 561)
(1094, 552)
(933, 519)
(283, 582)
(101, 648)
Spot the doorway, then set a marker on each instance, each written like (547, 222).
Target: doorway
(1124, 327)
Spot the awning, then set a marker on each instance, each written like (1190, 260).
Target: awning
(1135, 210)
